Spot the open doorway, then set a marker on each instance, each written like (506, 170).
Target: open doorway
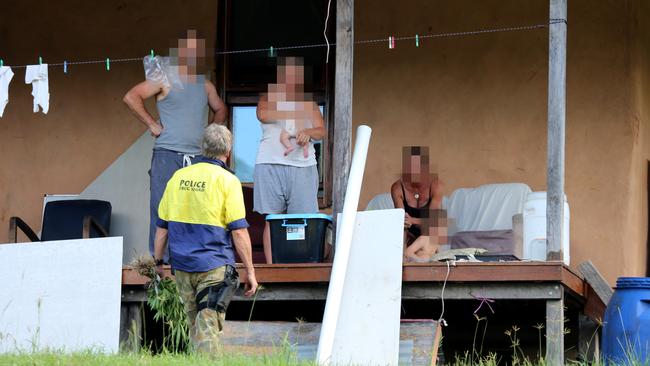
(294, 28)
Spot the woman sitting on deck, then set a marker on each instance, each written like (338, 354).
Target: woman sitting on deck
(417, 191)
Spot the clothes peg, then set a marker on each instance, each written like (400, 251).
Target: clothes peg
(108, 64)
(271, 52)
(40, 60)
(391, 42)
(417, 41)
(65, 67)
(2, 63)
(152, 54)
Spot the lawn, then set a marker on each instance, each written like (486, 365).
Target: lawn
(281, 358)
(124, 359)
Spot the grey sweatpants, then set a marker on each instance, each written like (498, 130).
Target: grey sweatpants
(285, 188)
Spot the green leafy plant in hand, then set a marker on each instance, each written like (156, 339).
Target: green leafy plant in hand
(167, 305)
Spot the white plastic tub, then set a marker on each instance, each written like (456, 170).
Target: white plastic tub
(534, 222)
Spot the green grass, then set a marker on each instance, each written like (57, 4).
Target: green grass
(124, 359)
(281, 358)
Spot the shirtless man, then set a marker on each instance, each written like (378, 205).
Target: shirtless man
(183, 116)
(434, 234)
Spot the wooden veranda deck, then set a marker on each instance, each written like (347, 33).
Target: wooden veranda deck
(552, 282)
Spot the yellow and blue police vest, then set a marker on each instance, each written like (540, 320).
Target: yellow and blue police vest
(201, 205)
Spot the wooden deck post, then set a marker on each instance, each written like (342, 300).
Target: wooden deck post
(555, 330)
(131, 326)
(556, 123)
(342, 101)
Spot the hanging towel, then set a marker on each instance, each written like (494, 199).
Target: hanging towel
(5, 78)
(37, 76)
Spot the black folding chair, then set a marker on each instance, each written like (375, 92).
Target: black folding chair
(67, 219)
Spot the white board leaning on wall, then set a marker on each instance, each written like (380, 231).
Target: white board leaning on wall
(61, 295)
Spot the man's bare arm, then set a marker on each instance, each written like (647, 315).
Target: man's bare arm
(160, 243)
(135, 98)
(242, 243)
(218, 107)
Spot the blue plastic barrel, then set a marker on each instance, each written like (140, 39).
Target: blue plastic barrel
(626, 328)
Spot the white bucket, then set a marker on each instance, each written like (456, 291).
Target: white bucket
(535, 228)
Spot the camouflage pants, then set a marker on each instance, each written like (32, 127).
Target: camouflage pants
(206, 326)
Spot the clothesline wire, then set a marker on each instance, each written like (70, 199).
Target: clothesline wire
(131, 59)
(318, 45)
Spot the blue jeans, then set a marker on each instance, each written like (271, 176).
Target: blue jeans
(164, 163)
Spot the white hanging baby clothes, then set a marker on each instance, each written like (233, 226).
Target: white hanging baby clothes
(37, 76)
(5, 78)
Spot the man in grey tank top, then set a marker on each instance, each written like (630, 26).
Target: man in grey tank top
(183, 115)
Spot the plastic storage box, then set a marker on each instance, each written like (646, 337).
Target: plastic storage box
(298, 238)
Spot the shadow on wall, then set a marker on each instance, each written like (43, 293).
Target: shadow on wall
(125, 184)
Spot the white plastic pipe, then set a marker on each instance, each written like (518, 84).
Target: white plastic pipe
(343, 243)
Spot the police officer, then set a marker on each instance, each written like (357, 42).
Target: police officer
(201, 215)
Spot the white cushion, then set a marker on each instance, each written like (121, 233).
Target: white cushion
(488, 207)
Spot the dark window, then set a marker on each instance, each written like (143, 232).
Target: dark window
(261, 24)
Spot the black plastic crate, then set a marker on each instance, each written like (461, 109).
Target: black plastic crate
(298, 238)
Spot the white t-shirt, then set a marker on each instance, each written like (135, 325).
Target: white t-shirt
(271, 150)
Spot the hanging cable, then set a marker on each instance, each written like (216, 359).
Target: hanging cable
(327, 18)
(442, 320)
